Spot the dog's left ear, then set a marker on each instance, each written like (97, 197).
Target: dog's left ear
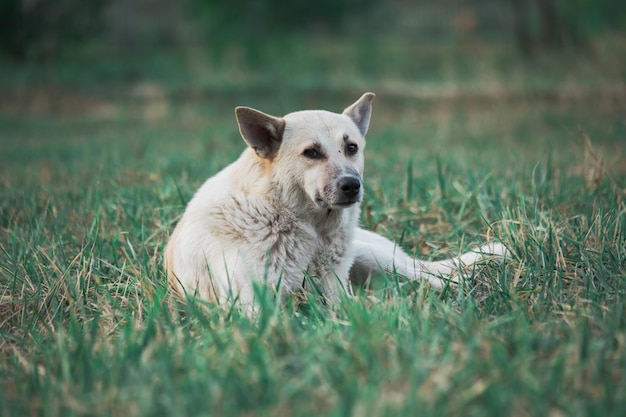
(361, 111)
(262, 132)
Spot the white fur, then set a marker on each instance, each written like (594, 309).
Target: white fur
(279, 213)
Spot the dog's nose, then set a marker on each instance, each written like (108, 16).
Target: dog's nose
(350, 186)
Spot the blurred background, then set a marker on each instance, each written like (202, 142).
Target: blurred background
(406, 48)
(162, 78)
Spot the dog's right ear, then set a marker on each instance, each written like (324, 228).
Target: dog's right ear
(361, 111)
(262, 132)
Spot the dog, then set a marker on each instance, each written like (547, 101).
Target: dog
(286, 214)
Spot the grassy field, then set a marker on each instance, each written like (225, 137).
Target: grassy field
(466, 144)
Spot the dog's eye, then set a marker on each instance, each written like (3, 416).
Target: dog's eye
(312, 153)
(351, 149)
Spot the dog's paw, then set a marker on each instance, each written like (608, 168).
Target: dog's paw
(471, 261)
(496, 250)
(493, 251)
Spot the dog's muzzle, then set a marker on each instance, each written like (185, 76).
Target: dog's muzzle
(348, 191)
(350, 187)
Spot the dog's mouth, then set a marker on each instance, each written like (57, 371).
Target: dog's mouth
(345, 203)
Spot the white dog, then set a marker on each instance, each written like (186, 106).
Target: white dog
(286, 214)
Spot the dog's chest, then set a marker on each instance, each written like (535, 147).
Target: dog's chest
(285, 243)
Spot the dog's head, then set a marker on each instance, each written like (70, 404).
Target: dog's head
(317, 152)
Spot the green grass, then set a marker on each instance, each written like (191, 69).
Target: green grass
(92, 183)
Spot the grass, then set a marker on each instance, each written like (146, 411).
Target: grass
(92, 183)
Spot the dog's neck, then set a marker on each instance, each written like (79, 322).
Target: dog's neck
(293, 199)
(287, 196)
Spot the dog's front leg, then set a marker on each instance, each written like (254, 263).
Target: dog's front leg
(374, 253)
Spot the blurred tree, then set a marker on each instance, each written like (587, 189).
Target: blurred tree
(38, 28)
(230, 21)
(555, 24)
(254, 18)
